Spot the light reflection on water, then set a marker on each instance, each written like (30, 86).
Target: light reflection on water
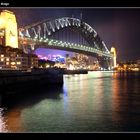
(99, 101)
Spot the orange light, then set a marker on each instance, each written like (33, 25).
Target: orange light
(7, 63)
(2, 59)
(2, 55)
(13, 63)
(7, 59)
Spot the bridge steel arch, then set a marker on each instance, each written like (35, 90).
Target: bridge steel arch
(39, 34)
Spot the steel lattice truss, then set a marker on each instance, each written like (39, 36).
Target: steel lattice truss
(40, 34)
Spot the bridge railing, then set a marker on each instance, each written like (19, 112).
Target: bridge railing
(62, 44)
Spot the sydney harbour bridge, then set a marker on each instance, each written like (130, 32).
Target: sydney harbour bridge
(66, 33)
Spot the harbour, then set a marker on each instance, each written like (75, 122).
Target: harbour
(107, 106)
(61, 75)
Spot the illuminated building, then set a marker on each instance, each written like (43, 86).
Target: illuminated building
(129, 66)
(55, 58)
(81, 61)
(32, 61)
(8, 29)
(16, 59)
(21, 61)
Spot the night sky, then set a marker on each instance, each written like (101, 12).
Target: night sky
(116, 27)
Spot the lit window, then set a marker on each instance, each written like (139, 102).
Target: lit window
(2, 59)
(13, 63)
(7, 59)
(2, 55)
(7, 63)
(18, 63)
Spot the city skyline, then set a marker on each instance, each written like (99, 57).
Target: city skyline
(46, 90)
(116, 27)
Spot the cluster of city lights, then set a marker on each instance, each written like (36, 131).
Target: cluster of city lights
(55, 58)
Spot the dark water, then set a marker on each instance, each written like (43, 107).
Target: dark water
(97, 102)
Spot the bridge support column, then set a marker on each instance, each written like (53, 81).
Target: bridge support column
(113, 51)
(9, 24)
